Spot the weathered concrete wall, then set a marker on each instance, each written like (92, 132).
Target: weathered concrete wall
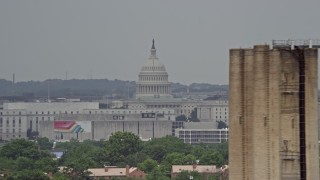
(104, 129)
(237, 154)
(265, 114)
(311, 89)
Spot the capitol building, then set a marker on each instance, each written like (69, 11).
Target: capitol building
(153, 78)
(153, 89)
(153, 92)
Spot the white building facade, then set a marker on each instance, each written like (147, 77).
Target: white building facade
(153, 78)
(213, 111)
(17, 118)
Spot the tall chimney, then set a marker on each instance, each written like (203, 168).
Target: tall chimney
(127, 170)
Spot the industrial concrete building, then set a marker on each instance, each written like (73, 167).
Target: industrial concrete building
(96, 124)
(17, 118)
(273, 112)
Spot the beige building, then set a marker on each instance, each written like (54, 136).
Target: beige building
(205, 170)
(273, 112)
(113, 172)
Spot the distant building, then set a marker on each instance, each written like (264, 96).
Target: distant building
(201, 133)
(153, 79)
(110, 172)
(213, 111)
(20, 118)
(205, 170)
(96, 124)
(153, 89)
(13, 124)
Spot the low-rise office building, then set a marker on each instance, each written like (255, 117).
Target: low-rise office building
(201, 133)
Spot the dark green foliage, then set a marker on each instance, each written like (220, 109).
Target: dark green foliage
(193, 116)
(181, 118)
(216, 154)
(44, 143)
(222, 125)
(120, 146)
(23, 159)
(148, 165)
(28, 174)
(158, 148)
(20, 147)
(185, 175)
(158, 174)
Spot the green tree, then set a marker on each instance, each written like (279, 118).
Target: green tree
(157, 174)
(125, 143)
(28, 174)
(44, 143)
(121, 145)
(20, 147)
(185, 175)
(181, 118)
(158, 148)
(148, 165)
(59, 176)
(193, 116)
(214, 158)
(46, 164)
(24, 163)
(198, 151)
(77, 169)
(222, 125)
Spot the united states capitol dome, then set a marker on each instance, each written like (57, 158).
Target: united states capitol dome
(153, 78)
(153, 65)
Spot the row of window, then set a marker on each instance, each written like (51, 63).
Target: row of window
(13, 130)
(7, 136)
(129, 112)
(2, 113)
(153, 78)
(36, 112)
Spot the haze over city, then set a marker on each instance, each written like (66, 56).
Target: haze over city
(111, 39)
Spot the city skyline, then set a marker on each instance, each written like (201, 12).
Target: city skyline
(111, 39)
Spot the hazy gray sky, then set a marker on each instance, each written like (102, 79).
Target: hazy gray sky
(112, 39)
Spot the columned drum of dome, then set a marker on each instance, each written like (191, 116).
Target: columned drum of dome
(153, 78)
